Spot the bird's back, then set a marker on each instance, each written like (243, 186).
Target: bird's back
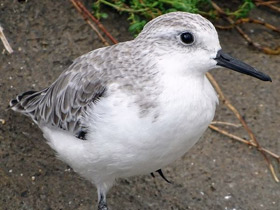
(64, 103)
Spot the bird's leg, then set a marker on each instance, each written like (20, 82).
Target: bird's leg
(102, 204)
(159, 171)
(162, 175)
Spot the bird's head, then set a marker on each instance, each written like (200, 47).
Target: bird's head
(189, 44)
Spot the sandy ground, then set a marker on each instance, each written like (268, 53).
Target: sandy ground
(217, 173)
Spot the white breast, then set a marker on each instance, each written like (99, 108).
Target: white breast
(188, 108)
(130, 145)
(120, 143)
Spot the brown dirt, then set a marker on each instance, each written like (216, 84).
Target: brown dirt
(217, 173)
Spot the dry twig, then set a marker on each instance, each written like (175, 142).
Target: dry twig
(264, 49)
(5, 41)
(237, 138)
(268, 4)
(77, 4)
(87, 15)
(249, 20)
(251, 143)
(244, 124)
(226, 124)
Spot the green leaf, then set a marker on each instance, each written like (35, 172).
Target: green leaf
(137, 27)
(103, 15)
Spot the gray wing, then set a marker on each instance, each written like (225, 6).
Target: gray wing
(66, 100)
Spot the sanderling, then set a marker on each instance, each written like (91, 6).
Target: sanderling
(134, 107)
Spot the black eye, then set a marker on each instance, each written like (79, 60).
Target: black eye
(187, 38)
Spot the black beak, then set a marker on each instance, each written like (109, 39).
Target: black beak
(227, 61)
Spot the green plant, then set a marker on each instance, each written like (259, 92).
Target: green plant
(243, 10)
(141, 11)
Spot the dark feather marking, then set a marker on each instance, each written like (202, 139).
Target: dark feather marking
(82, 135)
(99, 95)
(13, 102)
(19, 97)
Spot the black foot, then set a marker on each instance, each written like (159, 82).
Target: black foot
(162, 175)
(102, 205)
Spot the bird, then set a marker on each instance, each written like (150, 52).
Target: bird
(134, 107)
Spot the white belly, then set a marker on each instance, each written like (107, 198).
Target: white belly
(122, 144)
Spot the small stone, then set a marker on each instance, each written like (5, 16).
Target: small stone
(24, 194)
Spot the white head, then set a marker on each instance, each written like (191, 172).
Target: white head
(184, 39)
(188, 44)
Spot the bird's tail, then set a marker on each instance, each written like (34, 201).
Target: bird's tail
(27, 102)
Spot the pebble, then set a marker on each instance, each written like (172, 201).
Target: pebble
(227, 197)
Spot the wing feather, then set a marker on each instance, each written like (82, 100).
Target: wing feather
(63, 104)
